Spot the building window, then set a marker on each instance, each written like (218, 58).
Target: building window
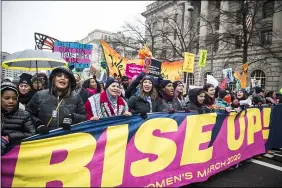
(175, 34)
(205, 77)
(239, 17)
(216, 44)
(165, 35)
(198, 28)
(154, 26)
(268, 8)
(216, 25)
(266, 37)
(231, 86)
(106, 37)
(259, 75)
(238, 42)
(165, 22)
(190, 79)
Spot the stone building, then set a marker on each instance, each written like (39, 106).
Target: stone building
(94, 38)
(213, 32)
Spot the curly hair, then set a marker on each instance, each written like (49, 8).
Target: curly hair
(86, 84)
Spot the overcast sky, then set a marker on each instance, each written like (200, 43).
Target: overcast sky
(64, 20)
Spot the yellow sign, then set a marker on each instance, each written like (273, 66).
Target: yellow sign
(203, 58)
(188, 65)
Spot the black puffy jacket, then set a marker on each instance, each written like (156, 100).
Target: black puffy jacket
(43, 103)
(17, 125)
(138, 105)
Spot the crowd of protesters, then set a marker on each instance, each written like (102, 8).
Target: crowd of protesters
(37, 104)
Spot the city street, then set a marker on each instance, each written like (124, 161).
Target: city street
(264, 172)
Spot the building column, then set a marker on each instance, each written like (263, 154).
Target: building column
(223, 21)
(277, 23)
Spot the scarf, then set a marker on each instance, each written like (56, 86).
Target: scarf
(91, 91)
(166, 96)
(24, 99)
(209, 101)
(149, 100)
(112, 106)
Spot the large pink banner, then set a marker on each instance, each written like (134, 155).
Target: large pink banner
(168, 150)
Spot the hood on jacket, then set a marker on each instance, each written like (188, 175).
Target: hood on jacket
(10, 86)
(65, 70)
(193, 93)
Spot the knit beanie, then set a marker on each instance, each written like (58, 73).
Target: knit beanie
(34, 79)
(124, 78)
(9, 86)
(109, 82)
(147, 77)
(222, 93)
(25, 79)
(176, 83)
(258, 89)
(164, 83)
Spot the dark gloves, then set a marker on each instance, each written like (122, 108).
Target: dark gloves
(4, 143)
(187, 110)
(141, 75)
(171, 110)
(43, 129)
(143, 115)
(67, 122)
(200, 111)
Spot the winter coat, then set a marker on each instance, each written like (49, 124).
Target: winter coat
(258, 100)
(83, 94)
(221, 103)
(133, 87)
(193, 105)
(165, 104)
(17, 125)
(24, 99)
(43, 104)
(98, 105)
(138, 105)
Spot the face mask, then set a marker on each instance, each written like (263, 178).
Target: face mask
(227, 99)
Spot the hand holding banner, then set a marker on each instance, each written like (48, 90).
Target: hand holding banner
(203, 58)
(188, 65)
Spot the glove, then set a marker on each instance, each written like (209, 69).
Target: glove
(187, 110)
(43, 129)
(141, 75)
(171, 110)
(200, 111)
(67, 122)
(143, 115)
(4, 143)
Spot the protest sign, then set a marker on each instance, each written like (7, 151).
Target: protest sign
(228, 74)
(188, 65)
(115, 63)
(74, 53)
(163, 150)
(172, 70)
(256, 83)
(152, 67)
(203, 58)
(132, 70)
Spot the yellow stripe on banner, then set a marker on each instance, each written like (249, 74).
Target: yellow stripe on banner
(114, 157)
(33, 59)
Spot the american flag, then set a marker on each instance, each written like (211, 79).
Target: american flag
(249, 19)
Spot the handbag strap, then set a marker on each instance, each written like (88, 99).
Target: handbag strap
(52, 114)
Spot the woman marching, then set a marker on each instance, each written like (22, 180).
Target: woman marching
(59, 106)
(107, 103)
(146, 102)
(25, 89)
(92, 86)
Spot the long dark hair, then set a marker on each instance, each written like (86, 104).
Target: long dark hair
(54, 90)
(86, 84)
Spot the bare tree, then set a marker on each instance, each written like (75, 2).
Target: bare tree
(243, 25)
